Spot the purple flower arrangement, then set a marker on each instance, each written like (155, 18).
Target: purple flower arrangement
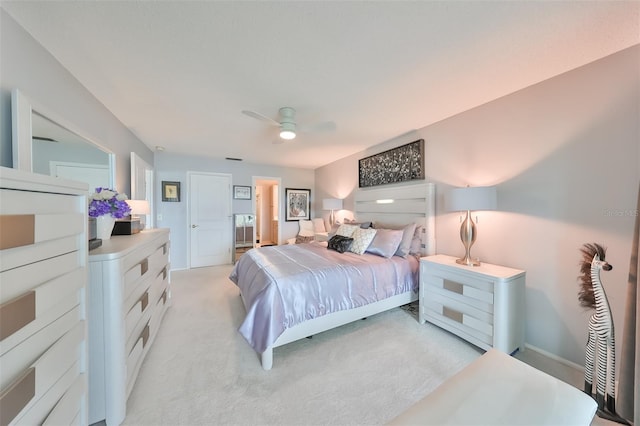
(107, 201)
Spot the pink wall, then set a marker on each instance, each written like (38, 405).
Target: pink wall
(565, 157)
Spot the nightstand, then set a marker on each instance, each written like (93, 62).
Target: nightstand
(482, 304)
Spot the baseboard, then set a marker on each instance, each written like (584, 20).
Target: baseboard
(555, 357)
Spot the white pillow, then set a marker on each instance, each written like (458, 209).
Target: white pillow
(361, 239)
(306, 228)
(346, 230)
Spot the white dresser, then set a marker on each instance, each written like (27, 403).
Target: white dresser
(128, 295)
(43, 277)
(482, 304)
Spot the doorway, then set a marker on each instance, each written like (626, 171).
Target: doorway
(210, 238)
(266, 208)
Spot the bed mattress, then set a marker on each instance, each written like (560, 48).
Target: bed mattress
(282, 286)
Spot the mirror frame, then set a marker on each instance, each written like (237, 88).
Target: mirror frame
(22, 108)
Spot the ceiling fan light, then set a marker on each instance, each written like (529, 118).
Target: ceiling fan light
(287, 134)
(287, 130)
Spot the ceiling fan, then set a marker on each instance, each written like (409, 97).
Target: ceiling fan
(288, 126)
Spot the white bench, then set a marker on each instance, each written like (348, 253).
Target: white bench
(497, 389)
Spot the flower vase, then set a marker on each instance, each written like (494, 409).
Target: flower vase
(104, 226)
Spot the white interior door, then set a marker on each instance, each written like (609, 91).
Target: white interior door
(96, 175)
(210, 219)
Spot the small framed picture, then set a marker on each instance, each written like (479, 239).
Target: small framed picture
(298, 204)
(241, 192)
(170, 191)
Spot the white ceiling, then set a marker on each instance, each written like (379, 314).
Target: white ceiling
(179, 73)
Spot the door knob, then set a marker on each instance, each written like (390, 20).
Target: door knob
(194, 226)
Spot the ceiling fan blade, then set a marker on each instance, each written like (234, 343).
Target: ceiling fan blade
(323, 127)
(261, 117)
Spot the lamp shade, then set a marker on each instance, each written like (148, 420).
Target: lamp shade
(332, 204)
(473, 198)
(139, 207)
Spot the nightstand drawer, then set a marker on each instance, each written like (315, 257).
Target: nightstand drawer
(460, 313)
(462, 293)
(455, 283)
(468, 333)
(483, 315)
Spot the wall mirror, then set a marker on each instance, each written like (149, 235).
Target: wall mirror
(45, 143)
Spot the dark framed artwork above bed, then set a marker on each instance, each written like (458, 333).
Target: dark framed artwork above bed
(401, 164)
(297, 204)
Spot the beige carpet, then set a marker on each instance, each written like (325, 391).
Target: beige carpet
(201, 371)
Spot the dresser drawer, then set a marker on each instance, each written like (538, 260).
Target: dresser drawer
(67, 411)
(27, 314)
(135, 314)
(18, 359)
(159, 285)
(30, 384)
(136, 355)
(142, 268)
(18, 281)
(28, 220)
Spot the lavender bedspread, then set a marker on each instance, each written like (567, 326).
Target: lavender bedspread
(285, 285)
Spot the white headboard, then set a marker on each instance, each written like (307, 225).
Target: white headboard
(405, 204)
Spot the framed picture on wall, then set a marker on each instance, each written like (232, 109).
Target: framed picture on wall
(401, 164)
(241, 192)
(297, 204)
(170, 191)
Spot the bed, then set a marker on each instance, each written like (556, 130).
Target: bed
(294, 291)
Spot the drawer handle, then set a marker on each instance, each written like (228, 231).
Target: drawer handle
(144, 300)
(164, 249)
(145, 335)
(452, 314)
(164, 297)
(17, 230)
(17, 313)
(453, 286)
(17, 396)
(144, 266)
(163, 273)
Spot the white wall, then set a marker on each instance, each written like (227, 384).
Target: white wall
(26, 65)
(564, 154)
(173, 167)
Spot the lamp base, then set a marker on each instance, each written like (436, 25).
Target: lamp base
(468, 237)
(468, 262)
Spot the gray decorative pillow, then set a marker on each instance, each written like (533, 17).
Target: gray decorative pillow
(407, 236)
(416, 242)
(339, 243)
(386, 242)
(363, 225)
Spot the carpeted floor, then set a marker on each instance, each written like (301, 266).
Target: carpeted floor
(201, 371)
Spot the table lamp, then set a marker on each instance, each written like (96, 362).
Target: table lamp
(471, 199)
(139, 209)
(332, 204)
